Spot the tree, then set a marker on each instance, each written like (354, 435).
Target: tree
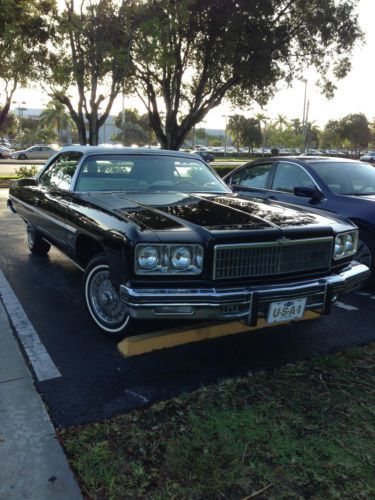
(281, 121)
(56, 117)
(9, 126)
(236, 124)
(262, 119)
(297, 126)
(251, 134)
(38, 135)
(91, 49)
(312, 135)
(331, 136)
(25, 28)
(190, 54)
(355, 129)
(134, 130)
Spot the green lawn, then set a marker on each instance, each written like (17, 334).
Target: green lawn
(301, 431)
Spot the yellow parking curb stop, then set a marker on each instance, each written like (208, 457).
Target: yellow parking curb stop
(172, 337)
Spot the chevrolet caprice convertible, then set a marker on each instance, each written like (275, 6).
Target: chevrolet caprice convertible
(159, 235)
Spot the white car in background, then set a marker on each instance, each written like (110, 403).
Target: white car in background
(37, 152)
(4, 152)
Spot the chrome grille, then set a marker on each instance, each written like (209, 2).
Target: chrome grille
(274, 258)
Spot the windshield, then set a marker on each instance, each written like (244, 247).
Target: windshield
(147, 173)
(353, 178)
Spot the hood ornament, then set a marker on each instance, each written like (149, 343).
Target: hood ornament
(283, 240)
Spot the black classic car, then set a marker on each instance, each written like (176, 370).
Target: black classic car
(158, 234)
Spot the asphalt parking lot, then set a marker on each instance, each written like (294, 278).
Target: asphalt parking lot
(93, 381)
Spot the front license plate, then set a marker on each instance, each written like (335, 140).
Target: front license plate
(286, 311)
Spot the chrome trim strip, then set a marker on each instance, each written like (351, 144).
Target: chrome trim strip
(281, 241)
(357, 272)
(38, 211)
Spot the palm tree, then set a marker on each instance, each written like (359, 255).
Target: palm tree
(297, 126)
(262, 118)
(281, 121)
(55, 116)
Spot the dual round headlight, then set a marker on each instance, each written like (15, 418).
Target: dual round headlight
(349, 243)
(339, 245)
(169, 258)
(181, 258)
(345, 245)
(148, 257)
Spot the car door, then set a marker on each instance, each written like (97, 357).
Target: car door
(34, 152)
(54, 195)
(287, 176)
(252, 180)
(46, 152)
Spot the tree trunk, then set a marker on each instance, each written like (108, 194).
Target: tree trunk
(93, 128)
(4, 113)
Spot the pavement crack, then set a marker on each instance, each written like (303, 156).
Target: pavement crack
(14, 379)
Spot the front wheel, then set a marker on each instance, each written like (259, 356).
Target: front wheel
(103, 303)
(22, 157)
(37, 245)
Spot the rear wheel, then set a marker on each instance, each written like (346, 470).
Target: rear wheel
(366, 254)
(36, 244)
(103, 303)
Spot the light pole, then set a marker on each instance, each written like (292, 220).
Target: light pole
(306, 138)
(305, 117)
(225, 133)
(304, 105)
(20, 110)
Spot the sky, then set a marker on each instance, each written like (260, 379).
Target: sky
(354, 93)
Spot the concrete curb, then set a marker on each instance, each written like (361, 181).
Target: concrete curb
(33, 464)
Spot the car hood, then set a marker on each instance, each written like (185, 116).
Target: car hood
(214, 212)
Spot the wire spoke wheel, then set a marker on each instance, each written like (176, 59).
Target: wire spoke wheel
(106, 303)
(102, 300)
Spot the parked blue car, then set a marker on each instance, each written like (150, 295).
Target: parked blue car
(345, 187)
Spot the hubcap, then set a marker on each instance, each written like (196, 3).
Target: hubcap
(106, 304)
(364, 254)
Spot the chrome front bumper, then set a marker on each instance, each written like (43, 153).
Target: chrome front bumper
(247, 303)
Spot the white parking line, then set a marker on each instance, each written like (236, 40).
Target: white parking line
(366, 294)
(43, 366)
(347, 307)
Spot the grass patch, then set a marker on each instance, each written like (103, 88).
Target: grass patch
(9, 177)
(302, 431)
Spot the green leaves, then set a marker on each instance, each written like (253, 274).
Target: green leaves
(193, 53)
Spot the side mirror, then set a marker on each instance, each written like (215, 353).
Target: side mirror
(308, 192)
